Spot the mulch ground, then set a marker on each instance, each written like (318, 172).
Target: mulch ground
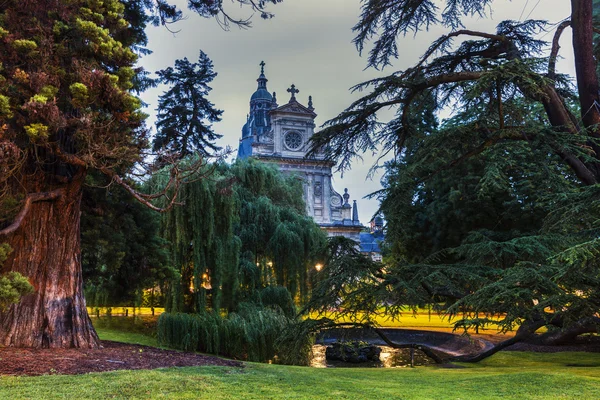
(113, 356)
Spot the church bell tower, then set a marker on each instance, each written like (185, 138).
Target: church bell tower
(280, 135)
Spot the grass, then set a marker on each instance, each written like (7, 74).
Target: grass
(422, 319)
(118, 310)
(126, 337)
(511, 375)
(409, 320)
(508, 375)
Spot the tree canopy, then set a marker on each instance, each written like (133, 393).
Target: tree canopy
(122, 252)
(241, 231)
(491, 214)
(184, 108)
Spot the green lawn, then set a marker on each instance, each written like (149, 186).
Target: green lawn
(126, 337)
(508, 375)
(422, 319)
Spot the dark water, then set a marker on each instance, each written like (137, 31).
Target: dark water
(389, 358)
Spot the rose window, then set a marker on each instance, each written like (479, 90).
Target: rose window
(293, 140)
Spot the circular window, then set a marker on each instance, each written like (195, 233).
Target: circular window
(293, 140)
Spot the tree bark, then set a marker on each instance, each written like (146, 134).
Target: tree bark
(585, 69)
(525, 331)
(569, 334)
(585, 64)
(46, 249)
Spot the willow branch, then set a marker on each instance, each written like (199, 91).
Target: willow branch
(29, 200)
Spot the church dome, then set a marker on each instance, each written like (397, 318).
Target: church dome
(262, 94)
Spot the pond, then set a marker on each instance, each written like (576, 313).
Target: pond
(395, 358)
(389, 358)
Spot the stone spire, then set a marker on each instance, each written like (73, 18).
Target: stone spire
(262, 79)
(262, 94)
(310, 103)
(355, 212)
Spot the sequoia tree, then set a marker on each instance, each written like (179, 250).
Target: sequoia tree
(501, 201)
(66, 106)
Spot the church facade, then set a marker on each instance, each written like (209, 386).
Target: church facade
(280, 135)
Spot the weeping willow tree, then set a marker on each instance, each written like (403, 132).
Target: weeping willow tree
(241, 231)
(280, 243)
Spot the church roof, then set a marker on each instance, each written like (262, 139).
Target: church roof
(261, 91)
(369, 242)
(295, 108)
(261, 94)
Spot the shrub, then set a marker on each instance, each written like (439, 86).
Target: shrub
(280, 297)
(251, 334)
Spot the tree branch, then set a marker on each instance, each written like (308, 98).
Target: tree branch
(525, 331)
(29, 200)
(462, 32)
(145, 199)
(585, 325)
(556, 48)
(176, 179)
(477, 150)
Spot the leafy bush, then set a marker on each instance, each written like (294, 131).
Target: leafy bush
(251, 334)
(279, 297)
(12, 285)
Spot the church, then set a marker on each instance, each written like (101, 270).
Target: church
(280, 135)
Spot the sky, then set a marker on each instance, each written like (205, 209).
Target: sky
(308, 43)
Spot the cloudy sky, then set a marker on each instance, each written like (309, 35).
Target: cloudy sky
(308, 43)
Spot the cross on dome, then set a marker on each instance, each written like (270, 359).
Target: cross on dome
(262, 67)
(293, 91)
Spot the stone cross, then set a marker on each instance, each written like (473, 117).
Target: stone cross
(293, 91)
(262, 67)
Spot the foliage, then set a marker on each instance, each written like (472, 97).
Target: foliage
(184, 108)
(241, 231)
(251, 334)
(278, 297)
(122, 251)
(12, 285)
(42, 112)
(341, 284)
(492, 215)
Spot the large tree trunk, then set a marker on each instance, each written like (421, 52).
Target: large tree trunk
(585, 68)
(585, 63)
(46, 249)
